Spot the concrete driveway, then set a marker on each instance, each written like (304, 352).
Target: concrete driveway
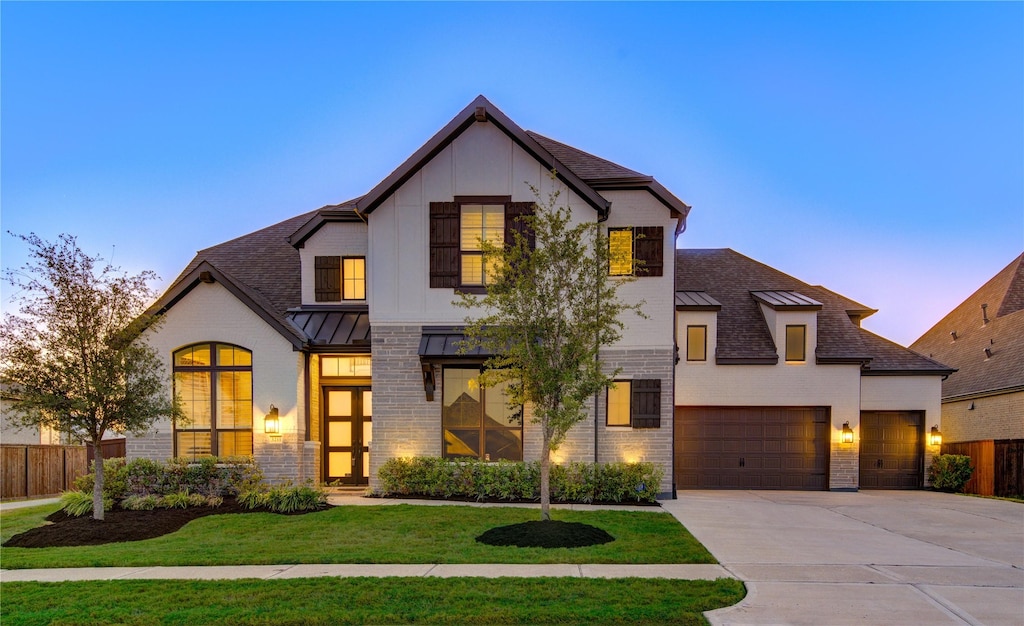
(873, 557)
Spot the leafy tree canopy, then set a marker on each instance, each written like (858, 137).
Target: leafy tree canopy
(72, 356)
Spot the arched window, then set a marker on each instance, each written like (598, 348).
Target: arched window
(214, 383)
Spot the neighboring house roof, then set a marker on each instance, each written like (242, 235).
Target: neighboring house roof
(737, 282)
(1003, 336)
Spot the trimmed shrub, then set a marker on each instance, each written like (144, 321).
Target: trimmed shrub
(208, 479)
(950, 472)
(115, 484)
(509, 480)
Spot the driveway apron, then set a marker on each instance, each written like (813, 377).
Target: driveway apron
(871, 557)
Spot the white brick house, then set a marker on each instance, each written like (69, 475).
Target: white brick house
(324, 345)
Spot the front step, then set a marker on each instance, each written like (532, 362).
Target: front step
(347, 490)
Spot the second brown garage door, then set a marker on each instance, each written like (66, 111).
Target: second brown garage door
(891, 450)
(751, 448)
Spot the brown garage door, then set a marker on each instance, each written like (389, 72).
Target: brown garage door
(751, 448)
(891, 450)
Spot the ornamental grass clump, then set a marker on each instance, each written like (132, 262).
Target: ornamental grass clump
(285, 498)
(78, 503)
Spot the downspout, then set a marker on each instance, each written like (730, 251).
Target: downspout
(597, 355)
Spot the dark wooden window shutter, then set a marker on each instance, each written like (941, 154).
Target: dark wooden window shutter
(649, 247)
(444, 244)
(646, 403)
(514, 210)
(327, 278)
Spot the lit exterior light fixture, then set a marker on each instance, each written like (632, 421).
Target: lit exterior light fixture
(847, 433)
(272, 422)
(935, 437)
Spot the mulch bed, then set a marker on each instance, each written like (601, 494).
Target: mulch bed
(118, 525)
(546, 534)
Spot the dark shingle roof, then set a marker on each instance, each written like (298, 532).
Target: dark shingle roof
(587, 166)
(1003, 335)
(261, 263)
(743, 336)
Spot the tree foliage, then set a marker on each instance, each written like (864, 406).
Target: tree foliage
(546, 313)
(73, 357)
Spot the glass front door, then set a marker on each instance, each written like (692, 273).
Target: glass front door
(348, 432)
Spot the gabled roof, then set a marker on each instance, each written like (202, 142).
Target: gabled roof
(1002, 335)
(479, 110)
(602, 174)
(261, 269)
(743, 336)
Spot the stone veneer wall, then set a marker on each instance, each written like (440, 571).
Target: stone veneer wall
(844, 466)
(404, 423)
(155, 445)
(640, 444)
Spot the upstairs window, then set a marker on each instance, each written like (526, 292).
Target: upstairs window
(339, 278)
(644, 244)
(457, 230)
(479, 223)
(620, 251)
(796, 343)
(214, 382)
(696, 343)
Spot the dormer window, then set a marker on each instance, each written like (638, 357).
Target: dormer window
(796, 343)
(696, 343)
(339, 278)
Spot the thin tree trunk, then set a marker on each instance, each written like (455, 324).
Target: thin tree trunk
(97, 488)
(545, 480)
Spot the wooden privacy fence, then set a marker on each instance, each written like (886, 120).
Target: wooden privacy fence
(112, 449)
(37, 470)
(998, 466)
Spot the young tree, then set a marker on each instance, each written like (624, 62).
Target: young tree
(73, 356)
(547, 311)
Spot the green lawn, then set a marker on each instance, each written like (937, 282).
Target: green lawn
(365, 534)
(369, 601)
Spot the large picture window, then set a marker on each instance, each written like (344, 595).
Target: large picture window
(476, 421)
(214, 382)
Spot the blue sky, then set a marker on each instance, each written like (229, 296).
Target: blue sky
(874, 148)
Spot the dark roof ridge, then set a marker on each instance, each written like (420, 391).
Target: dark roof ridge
(480, 110)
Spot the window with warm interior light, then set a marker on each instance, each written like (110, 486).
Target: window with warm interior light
(796, 343)
(479, 223)
(331, 366)
(477, 421)
(696, 343)
(619, 395)
(214, 382)
(620, 251)
(353, 278)
(339, 278)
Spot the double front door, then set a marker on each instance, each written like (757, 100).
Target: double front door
(348, 432)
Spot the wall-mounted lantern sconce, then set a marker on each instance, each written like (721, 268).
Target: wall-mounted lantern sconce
(847, 433)
(935, 437)
(272, 422)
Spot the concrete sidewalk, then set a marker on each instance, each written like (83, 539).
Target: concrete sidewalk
(873, 557)
(273, 572)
